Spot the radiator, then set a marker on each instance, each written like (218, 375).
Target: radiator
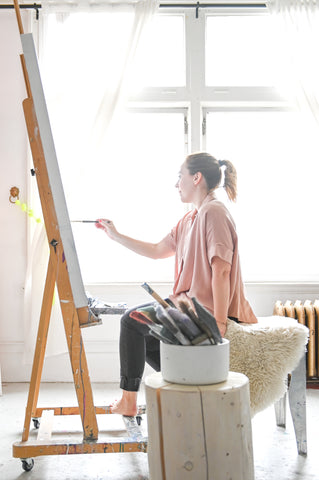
(306, 313)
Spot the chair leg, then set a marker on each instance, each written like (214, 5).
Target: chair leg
(297, 402)
(280, 411)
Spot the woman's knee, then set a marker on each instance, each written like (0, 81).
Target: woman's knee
(129, 323)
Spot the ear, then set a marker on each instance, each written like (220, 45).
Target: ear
(197, 178)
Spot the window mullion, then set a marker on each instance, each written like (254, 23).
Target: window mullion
(195, 73)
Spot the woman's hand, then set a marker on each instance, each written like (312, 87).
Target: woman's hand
(108, 227)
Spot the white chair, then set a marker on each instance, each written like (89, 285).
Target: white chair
(297, 404)
(266, 353)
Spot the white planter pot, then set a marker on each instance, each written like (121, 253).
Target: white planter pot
(195, 365)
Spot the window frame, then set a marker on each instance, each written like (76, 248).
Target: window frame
(196, 99)
(196, 96)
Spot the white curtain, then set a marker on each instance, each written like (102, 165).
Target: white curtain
(114, 94)
(101, 107)
(110, 104)
(298, 20)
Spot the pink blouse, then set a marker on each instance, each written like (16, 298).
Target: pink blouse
(197, 238)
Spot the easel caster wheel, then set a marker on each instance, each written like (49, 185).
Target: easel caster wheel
(138, 420)
(36, 423)
(27, 464)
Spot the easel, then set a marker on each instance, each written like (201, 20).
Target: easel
(73, 319)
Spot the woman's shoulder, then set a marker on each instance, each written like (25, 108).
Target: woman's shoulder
(216, 211)
(214, 207)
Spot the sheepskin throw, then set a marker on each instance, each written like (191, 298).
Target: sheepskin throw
(266, 352)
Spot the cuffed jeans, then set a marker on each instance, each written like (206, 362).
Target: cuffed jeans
(136, 347)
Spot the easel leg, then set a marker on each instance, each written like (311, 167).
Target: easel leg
(41, 341)
(80, 371)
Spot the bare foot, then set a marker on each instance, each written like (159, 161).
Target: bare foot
(127, 405)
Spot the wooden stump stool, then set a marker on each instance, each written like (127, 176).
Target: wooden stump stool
(199, 432)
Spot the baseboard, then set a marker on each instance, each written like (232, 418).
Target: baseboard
(102, 358)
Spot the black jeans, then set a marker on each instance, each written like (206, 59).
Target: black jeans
(136, 347)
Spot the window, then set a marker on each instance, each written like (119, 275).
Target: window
(241, 52)
(274, 151)
(134, 186)
(131, 179)
(212, 82)
(161, 57)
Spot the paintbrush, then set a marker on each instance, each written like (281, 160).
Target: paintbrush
(84, 221)
(209, 320)
(197, 336)
(184, 323)
(155, 295)
(169, 323)
(186, 308)
(158, 331)
(148, 311)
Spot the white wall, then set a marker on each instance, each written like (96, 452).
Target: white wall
(101, 342)
(13, 173)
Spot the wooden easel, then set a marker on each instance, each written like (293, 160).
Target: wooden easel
(73, 319)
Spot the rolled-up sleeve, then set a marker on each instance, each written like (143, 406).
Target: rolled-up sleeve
(219, 236)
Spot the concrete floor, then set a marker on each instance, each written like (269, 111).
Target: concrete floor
(275, 453)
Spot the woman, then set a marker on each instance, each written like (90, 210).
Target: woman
(207, 266)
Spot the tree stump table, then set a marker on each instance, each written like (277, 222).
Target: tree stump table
(199, 432)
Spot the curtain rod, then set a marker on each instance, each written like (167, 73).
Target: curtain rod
(167, 5)
(197, 6)
(24, 5)
(213, 5)
(36, 7)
